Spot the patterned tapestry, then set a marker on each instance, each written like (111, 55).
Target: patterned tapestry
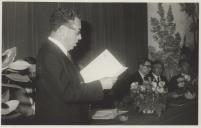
(173, 34)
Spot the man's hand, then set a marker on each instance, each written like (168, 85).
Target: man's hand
(108, 82)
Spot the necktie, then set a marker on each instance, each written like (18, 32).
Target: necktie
(158, 78)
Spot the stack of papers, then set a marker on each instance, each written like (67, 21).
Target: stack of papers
(107, 114)
(105, 65)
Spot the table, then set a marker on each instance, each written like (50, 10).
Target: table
(186, 114)
(178, 115)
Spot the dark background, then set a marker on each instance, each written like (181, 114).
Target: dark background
(119, 27)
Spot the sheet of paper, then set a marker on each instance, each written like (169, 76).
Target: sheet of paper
(107, 114)
(105, 65)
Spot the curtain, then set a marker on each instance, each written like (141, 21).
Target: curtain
(119, 27)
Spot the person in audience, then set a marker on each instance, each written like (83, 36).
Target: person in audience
(183, 84)
(61, 95)
(122, 87)
(157, 73)
(144, 68)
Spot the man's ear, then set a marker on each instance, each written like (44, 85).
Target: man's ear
(61, 28)
(141, 66)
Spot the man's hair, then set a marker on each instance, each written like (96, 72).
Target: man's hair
(141, 61)
(62, 16)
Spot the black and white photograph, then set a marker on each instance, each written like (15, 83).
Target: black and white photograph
(100, 63)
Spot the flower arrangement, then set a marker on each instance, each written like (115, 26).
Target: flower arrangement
(146, 98)
(183, 80)
(186, 86)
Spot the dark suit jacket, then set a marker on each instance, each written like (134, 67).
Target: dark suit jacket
(61, 98)
(173, 87)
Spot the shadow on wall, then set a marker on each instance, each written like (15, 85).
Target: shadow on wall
(84, 44)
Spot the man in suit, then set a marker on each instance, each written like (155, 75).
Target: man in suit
(144, 68)
(122, 87)
(61, 95)
(183, 84)
(156, 73)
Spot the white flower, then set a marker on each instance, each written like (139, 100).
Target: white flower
(187, 77)
(154, 84)
(153, 88)
(180, 79)
(181, 84)
(189, 95)
(161, 84)
(160, 90)
(143, 88)
(134, 85)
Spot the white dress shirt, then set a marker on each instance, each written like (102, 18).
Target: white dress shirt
(59, 44)
(156, 77)
(142, 75)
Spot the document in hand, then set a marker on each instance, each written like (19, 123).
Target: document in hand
(105, 65)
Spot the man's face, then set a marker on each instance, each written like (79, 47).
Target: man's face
(145, 68)
(72, 33)
(157, 69)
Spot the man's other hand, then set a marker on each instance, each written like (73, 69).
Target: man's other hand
(108, 82)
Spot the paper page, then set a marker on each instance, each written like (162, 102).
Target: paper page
(105, 65)
(107, 114)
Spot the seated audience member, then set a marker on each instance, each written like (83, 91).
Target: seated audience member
(156, 73)
(122, 87)
(144, 68)
(183, 84)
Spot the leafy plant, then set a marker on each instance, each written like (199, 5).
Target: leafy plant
(164, 33)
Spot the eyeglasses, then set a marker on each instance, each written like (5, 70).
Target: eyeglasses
(148, 66)
(74, 29)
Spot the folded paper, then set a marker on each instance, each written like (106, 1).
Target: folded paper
(105, 65)
(107, 114)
